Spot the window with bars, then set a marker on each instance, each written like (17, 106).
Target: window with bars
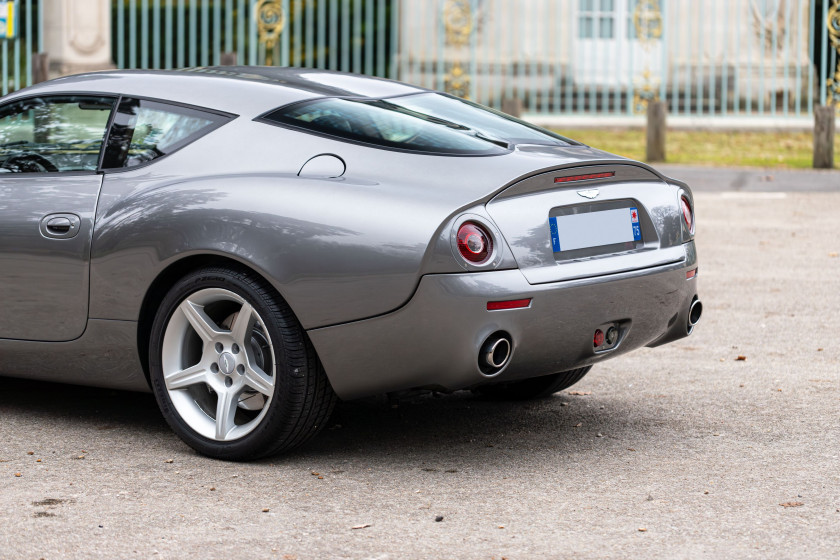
(599, 19)
(596, 19)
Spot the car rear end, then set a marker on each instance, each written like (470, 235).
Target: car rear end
(561, 269)
(608, 255)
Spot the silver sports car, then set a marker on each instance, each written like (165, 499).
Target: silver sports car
(252, 244)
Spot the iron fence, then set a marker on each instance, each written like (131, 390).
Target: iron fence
(722, 58)
(20, 36)
(348, 35)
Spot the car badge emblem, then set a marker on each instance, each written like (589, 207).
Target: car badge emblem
(589, 193)
(227, 363)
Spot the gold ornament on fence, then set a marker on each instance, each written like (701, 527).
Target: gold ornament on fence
(271, 19)
(648, 23)
(647, 19)
(458, 26)
(645, 94)
(457, 82)
(458, 22)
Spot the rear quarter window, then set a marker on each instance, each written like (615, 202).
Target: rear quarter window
(144, 130)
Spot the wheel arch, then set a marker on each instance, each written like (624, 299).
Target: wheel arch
(167, 278)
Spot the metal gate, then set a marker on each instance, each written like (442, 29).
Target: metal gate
(20, 37)
(348, 35)
(774, 59)
(722, 58)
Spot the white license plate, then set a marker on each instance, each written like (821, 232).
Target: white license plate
(594, 229)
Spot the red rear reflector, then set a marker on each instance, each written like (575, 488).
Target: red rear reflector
(584, 177)
(598, 339)
(511, 304)
(690, 274)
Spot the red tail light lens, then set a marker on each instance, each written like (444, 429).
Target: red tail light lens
(474, 243)
(688, 214)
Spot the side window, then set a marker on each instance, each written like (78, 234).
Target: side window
(146, 130)
(54, 133)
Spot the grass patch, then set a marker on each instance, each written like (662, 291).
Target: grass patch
(725, 149)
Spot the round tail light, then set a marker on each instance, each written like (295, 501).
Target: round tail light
(474, 243)
(688, 213)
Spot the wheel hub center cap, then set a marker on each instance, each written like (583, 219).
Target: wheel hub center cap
(227, 363)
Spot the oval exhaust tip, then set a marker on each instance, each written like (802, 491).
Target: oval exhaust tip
(495, 352)
(694, 313)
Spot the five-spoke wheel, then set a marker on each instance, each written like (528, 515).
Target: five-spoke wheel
(230, 367)
(220, 377)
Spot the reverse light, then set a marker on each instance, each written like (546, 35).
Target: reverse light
(510, 304)
(573, 178)
(688, 213)
(474, 243)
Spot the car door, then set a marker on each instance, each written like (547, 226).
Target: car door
(49, 184)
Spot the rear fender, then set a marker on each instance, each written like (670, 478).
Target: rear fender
(357, 256)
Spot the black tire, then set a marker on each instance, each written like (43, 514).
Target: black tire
(284, 416)
(534, 388)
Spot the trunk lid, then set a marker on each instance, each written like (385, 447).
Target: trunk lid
(590, 220)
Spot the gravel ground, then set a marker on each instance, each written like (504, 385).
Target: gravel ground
(725, 444)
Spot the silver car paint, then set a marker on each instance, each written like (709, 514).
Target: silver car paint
(340, 250)
(337, 250)
(105, 355)
(44, 281)
(434, 341)
(249, 91)
(524, 221)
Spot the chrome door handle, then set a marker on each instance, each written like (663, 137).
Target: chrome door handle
(60, 226)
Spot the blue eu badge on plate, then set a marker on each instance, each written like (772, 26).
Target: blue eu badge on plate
(634, 222)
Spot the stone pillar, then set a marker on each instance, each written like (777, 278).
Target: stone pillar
(77, 35)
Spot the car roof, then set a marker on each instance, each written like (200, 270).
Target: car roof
(235, 89)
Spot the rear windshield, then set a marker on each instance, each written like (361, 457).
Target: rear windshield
(427, 123)
(482, 119)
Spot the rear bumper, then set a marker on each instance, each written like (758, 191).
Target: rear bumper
(434, 340)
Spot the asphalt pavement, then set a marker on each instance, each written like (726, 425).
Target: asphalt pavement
(722, 445)
(711, 179)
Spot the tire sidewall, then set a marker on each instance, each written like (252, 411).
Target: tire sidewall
(263, 436)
